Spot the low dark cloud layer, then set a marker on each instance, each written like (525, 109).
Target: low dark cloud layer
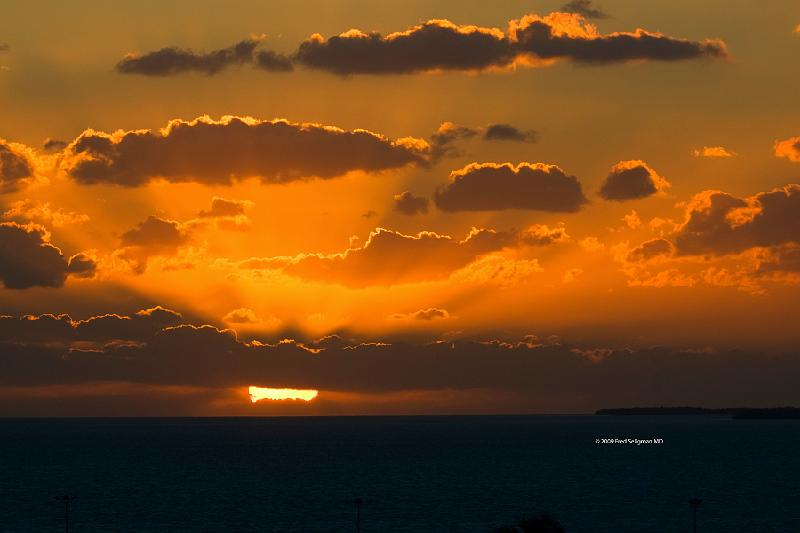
(567, 377)
(631, 180)
(233, 148)
(718, 223)
(507, 132)
(27, 259)
(16, 168)
(585, 8)
(408, 204)
(494, 186)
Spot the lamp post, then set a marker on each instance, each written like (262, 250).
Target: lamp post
(695, 503)
(67, 500)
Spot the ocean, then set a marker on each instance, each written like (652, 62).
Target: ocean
(414, 474)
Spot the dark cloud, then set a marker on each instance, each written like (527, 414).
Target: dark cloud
(4, 47)
(154, 236)
(443, 139)
(16, 167)
(391, 258)
(432, 313)
(585, 8)
(27, 259)
(651, 249)
(433, 45)
(566, 377)
(221, 207)
(542, 235)
(54, 145)
(493, 186)
(631, 180)
(172, 60)
(48, 328)
(408, 204)
(507, 132)
(81, 266)
(234, 148)
(442, 45)
(567, 36)
(273, 61)
(718, 223)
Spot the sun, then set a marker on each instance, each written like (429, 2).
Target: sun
(263, 393)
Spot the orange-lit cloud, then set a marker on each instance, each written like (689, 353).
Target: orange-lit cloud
(788, 148)
(220, 152)
(498, 186)
(713, 152)
(243, 315)
(29, 211)
(650, 250)
(431, 313)
(389, 258)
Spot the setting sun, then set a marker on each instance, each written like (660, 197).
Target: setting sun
(262, 393)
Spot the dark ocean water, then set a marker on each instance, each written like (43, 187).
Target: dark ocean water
(419, 474)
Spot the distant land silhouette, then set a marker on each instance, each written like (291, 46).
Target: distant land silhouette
(739, 413)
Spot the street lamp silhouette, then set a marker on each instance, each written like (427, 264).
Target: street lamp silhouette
(358, 503)
(67, 500)
(695, 503)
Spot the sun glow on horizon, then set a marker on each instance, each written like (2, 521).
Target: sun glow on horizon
(264, 393)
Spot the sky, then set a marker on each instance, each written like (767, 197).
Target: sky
(405, 207)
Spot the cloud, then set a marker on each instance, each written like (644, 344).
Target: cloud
(154, 236)
(432, 313)
(797, 30)
(585, 8)
(432, 45)
(4, 47)
(788, 148)
(234, 148)
(408, 204)
(567, 377)
(220, 207)
(54, 145)
(543, 235)
(567, 36)
(172, 60)
(390, 258)
(718, 223)
(243, 315)
(438, 45)
(27, 259)
(713, 151)
(651, 249)
(273, 61)
(27, 210)
(82, 266)
(630, 180)
(498, 186)
(445, 136)
(507, 132)
(16, 167)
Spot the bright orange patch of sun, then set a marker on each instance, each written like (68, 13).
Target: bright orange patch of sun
(263, 393)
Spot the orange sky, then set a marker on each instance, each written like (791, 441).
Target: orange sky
(543, 193)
